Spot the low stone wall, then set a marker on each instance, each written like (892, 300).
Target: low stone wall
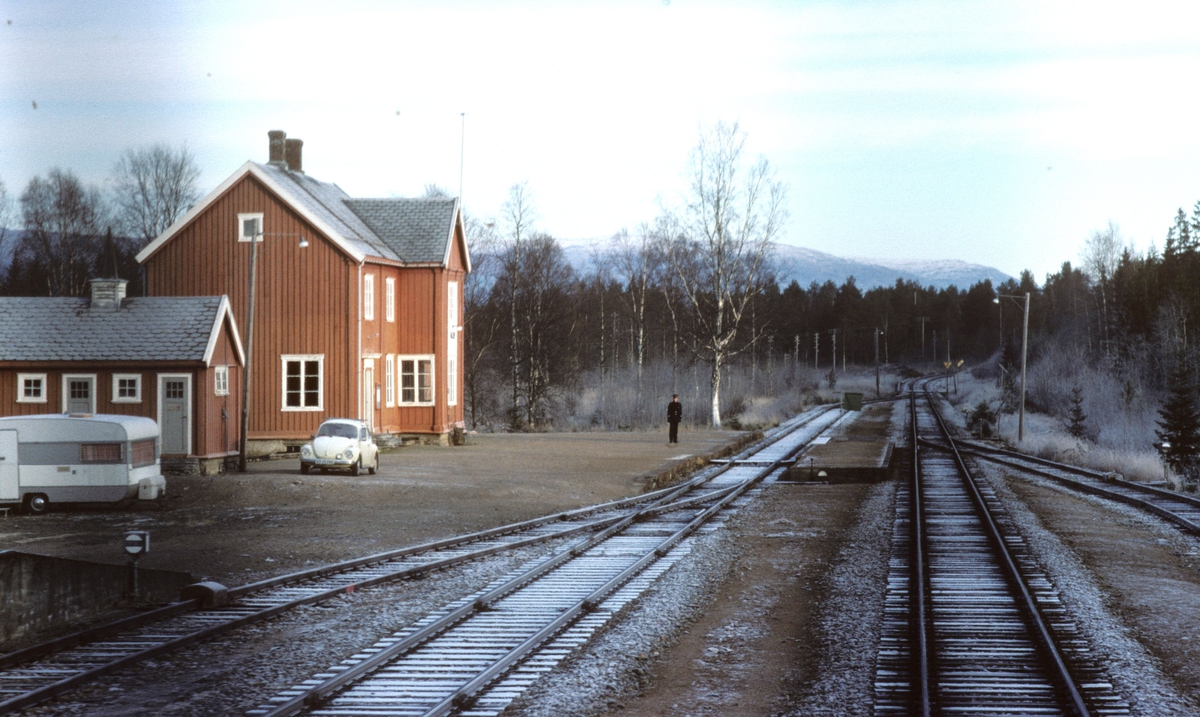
(38, 592)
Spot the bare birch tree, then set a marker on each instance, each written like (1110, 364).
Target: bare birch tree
(637, 262)
(1101, 256)
(481, 328)
(64, 220)
(518, 215)
(155, 186)
(732, 215)
(6, 218)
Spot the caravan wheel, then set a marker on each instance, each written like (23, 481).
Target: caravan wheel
(36, 503)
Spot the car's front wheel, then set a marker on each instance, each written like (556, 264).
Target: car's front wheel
(305, 468)
(356, 467)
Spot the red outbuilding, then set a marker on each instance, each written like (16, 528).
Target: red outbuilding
(176, 360)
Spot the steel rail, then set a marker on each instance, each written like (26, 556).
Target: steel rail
(317, 694)
(465, 694)
(1030, 608)
(920, 588)
(320, 692)
(1181, 521)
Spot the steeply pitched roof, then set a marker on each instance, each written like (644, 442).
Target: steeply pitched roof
(167, 328)
(418, 230)
(412, 231)
(328, 202)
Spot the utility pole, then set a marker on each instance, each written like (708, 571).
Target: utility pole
(934, 348)
(923, 320)
(834, 333)
(1024, 354)
(877, 394)
(817, 350)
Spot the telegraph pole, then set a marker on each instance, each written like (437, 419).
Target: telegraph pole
(923, 320)
(877, 394)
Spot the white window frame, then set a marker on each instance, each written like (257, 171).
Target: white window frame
(389, 298)
(369, 297)
(283, 361)
(116, 387)
(22, 378)
(416, 388)
(389, 379)
(187, 416)
(66, 397)
(241, 226)
(221, 381)
(452, 316)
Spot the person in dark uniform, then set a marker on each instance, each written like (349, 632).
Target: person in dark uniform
(674, 416)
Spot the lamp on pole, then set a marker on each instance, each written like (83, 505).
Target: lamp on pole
(1024, 355)
(256, 237)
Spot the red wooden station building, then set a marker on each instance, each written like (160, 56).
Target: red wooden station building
(358, 301)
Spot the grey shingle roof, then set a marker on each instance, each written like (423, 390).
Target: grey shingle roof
(400, 229)
(415, 229)
(145, 329)
(326, 201)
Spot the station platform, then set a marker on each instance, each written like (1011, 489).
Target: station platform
(860, 450)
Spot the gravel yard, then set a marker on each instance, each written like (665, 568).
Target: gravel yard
(237, 528)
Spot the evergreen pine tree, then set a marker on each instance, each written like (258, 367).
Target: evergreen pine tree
(1179, 424)
(1077, 417)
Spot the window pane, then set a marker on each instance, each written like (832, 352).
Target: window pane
(312, 383)
(142, 453)
(425, 378)
(174, 389)
(100, 453)
(79, 389)
(127, 388)
(33, 388)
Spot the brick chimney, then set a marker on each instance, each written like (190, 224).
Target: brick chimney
(291, 154)
(276, 138)
(107, 294)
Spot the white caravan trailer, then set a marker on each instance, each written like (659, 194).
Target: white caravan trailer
(75, 458)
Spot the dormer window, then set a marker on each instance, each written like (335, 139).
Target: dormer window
(249, 226)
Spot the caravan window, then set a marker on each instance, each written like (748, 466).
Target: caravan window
(142, 453)
(100, 453)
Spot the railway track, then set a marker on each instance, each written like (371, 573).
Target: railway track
(1181, 510)
(53, 668)
(474, 656)
(972, 625)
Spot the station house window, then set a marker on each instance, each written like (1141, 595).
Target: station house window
(416, 380)
(31, 388)
(303, 382)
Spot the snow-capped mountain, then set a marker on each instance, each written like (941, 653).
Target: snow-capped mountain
(806, 265)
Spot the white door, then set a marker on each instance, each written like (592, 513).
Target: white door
(9, 488)
(79, 394)
(369, 397)
(174, 412)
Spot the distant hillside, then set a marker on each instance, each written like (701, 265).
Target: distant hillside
(808, 265)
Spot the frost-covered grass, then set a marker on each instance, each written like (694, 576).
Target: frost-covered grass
(1047, 436)
(752, 396)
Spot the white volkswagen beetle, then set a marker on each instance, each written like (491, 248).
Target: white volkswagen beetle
(342, 443)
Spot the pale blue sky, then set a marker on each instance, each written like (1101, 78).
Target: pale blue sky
(995, 132)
